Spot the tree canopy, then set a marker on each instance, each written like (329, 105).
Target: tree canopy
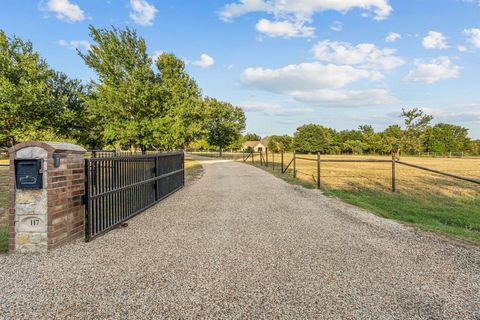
(313, 138)
(251, 137)
(224, 123)
(27, 101)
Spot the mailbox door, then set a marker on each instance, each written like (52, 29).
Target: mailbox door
(28, 174)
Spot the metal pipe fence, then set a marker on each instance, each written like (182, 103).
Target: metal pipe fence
(290, 166)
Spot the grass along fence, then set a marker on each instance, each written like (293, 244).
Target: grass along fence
(429, 192)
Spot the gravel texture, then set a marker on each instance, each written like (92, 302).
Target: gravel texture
(240, 243)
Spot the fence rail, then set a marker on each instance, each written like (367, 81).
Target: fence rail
(119, 187)
(262, 159)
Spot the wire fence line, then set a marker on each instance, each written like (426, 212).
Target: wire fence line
(288, 164)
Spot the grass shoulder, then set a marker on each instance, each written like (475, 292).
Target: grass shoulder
(3, 239)
(457, 216)
(454, 216)
(193, 170)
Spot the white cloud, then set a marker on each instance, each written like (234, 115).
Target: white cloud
(363, 54)
(143, 13)
(392, 37)
(474, 36)
(273, 109)
(205, 61)
(65, 10)
(433, 71)
(75, 44)
(477, 2)
(304, 8)
(317, 83)
(336, 26)
(462, 48)
(350, 98)
(294, 14)
(305, 76)
(435, 40)
(287, 29)
(468, 113)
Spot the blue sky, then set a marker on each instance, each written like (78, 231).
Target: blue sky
(289, 62)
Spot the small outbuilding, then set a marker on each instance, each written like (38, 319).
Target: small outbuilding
(256, 146)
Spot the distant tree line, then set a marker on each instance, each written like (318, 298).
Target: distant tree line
(416, 136)
(134, 102)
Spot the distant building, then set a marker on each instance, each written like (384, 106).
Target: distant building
(256, 146)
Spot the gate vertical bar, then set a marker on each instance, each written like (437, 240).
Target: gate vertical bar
(156, 181)
(86, 201)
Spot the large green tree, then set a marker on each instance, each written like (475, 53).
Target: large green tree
(354, 146)
(72, 121)
(224, 123)
(392, 139)
(313, 138)
(444, 137)
(127, 99)
(280, 143)
(183, 97)
(416, 122)
(28, 110)
(372, 141)
(251, 137)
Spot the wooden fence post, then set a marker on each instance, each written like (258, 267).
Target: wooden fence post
(294, 164)
(282, 161)
(394, 187)
(273, 160)
(318, 170)
(261, 158)
(266, 157)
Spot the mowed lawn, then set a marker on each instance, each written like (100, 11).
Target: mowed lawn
(427, 200)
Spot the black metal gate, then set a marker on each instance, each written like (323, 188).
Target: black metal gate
(119, 187)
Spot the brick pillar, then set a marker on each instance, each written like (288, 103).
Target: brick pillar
(43, 218)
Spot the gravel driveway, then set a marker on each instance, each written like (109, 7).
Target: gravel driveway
(240, 243)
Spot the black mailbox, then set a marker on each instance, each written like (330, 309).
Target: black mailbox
(28, 174)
